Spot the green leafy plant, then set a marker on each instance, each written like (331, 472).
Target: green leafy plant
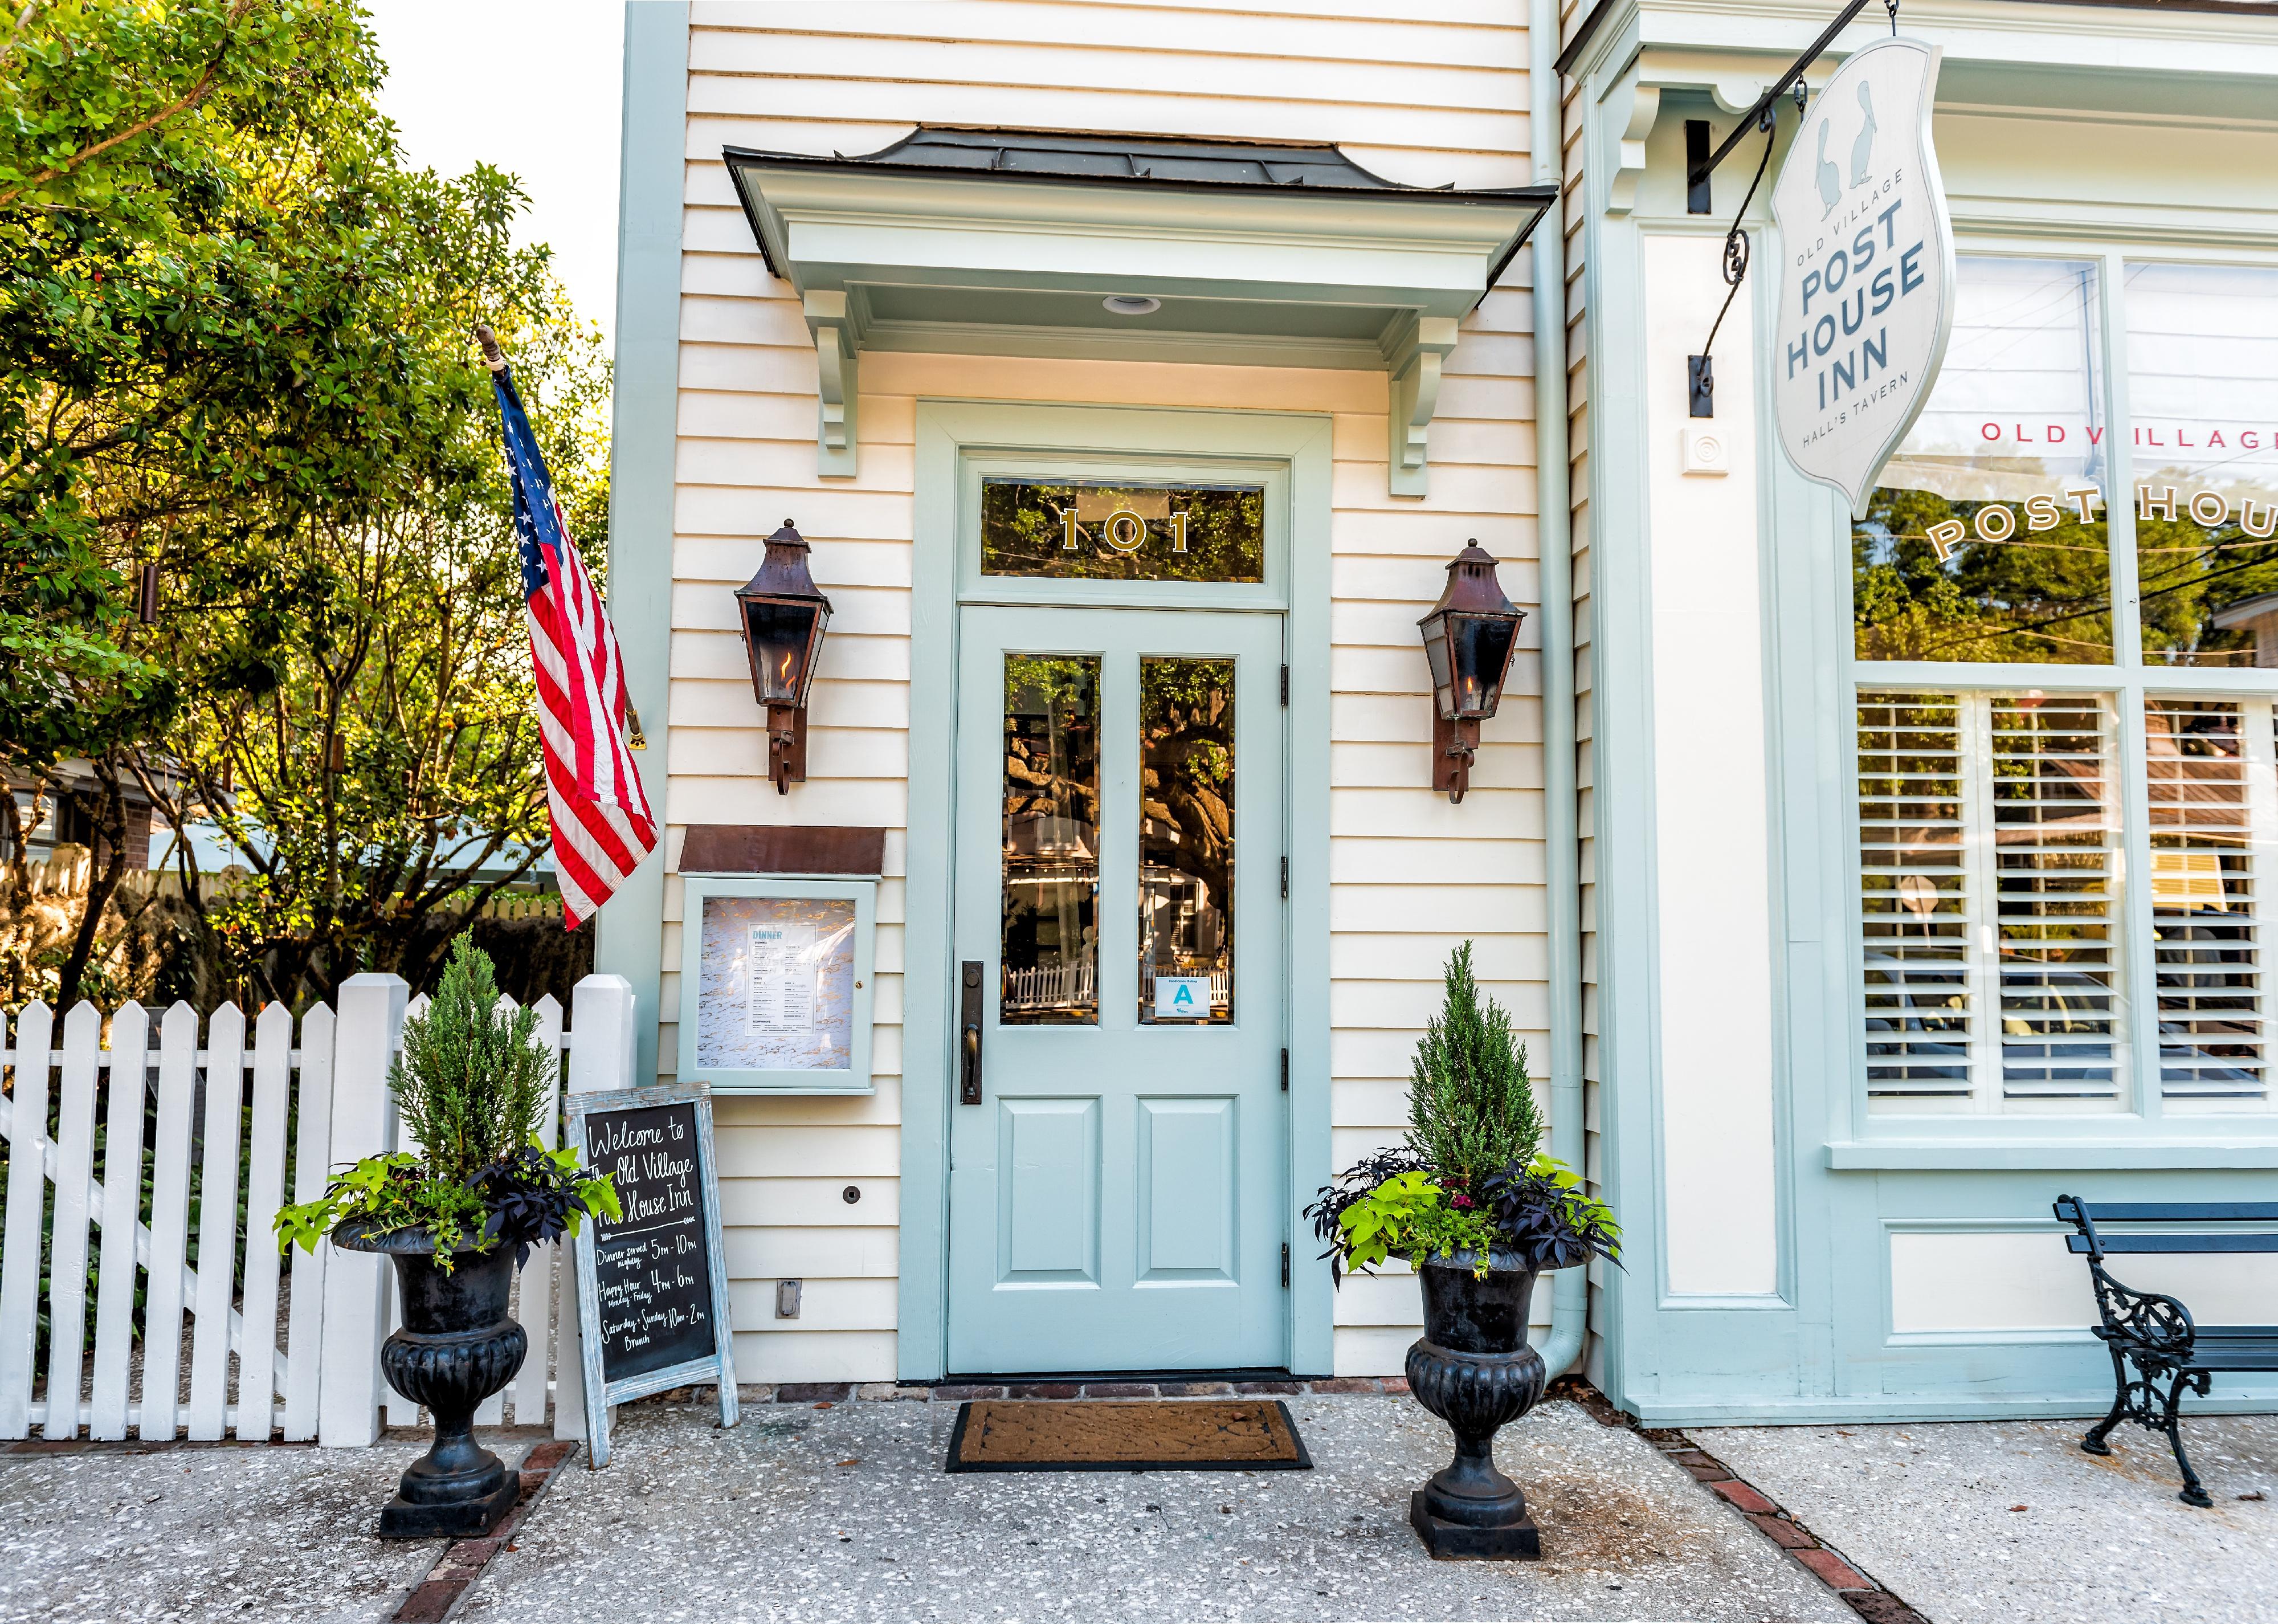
(1471, 1178)
(1470, 1105)
(469, 1084)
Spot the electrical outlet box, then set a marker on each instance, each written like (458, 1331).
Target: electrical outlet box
(787, 1300)
(1705, 450)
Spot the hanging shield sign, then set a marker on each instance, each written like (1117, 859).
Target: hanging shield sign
(1865, 269)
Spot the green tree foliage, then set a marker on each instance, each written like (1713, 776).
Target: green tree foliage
(233, 343)
(1471, 1106)
(468, 1083)
(2039, 596)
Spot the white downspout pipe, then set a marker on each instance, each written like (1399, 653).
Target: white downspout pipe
(1554, 530)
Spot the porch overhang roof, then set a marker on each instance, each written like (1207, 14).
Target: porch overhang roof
(1007, 242)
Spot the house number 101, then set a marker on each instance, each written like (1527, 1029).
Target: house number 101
(1125, 530)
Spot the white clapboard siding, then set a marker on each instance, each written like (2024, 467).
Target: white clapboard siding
(1425, 94)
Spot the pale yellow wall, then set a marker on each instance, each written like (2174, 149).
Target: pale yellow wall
(1424, 92)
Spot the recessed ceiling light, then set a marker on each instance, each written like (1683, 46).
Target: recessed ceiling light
(1131, 304)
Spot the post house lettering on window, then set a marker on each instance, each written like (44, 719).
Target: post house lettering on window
(1997, 915)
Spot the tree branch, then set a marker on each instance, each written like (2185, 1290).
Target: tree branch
(197, 93)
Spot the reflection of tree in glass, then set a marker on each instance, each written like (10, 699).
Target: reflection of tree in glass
(2188, 572)
(1186, 773)
(2042, 596)
(1186, 825)
(1051, 837)
(1023, 532)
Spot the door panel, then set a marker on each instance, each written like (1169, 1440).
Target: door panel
(1115, 1194)
(1047, 1202)
(1189, 1199)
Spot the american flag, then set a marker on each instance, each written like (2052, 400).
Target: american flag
(602, 826)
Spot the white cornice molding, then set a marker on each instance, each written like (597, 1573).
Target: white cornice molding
(1736, 48)
(1267, 276)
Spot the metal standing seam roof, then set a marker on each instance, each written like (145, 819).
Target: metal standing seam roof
(1238, 165)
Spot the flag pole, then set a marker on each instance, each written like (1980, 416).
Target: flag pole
(494, 358)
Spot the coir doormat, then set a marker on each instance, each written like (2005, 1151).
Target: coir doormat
(1169, 1435)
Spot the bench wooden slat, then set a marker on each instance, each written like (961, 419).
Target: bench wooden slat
(2181, 1212)
(2078, 1244)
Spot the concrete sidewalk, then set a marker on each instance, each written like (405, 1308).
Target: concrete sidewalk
(2012, 1520)
(811, 1513)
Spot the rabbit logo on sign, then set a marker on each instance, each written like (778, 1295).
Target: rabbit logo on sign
(1865, 269)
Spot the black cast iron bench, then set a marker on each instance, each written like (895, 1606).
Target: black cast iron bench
(2155, 1333)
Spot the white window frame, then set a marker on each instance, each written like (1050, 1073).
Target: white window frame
(2126, 682)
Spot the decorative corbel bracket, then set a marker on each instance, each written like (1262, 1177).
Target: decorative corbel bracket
(831, 318)
(1413, 358)
(1629, 110)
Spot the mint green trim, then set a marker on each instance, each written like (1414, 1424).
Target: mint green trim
(947, 433)
(856, 1078)
(1570, 1298)
(629, 938)
(1989, 1155)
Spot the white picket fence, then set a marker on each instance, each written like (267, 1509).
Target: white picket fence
(308, 1107)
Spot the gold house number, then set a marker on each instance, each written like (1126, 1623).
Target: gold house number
(1125, 530)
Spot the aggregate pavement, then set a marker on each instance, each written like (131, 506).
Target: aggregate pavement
(2012, 1520)
(819, 1514)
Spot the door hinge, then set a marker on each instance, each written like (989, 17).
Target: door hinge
(1285, 1071)
(1285, 685)
(1285, 877)
(1285, 1265)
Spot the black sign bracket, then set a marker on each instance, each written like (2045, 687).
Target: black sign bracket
(1699, 371)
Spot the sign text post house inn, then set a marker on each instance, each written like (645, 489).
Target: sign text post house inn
(1866, 268)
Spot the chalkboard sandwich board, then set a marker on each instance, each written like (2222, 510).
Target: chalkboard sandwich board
(652, 1283)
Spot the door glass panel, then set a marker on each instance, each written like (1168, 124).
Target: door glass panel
(1080, 529)
(1052, 841)
(1186, 841)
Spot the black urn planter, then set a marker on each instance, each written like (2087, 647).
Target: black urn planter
(1472, 1369)
(456, 1348)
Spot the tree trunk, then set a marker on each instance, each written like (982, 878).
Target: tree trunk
(101, 886)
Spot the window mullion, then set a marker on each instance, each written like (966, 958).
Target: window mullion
(1984, 904)
(2136, 1003)
(2119, 474)
(2260, 750)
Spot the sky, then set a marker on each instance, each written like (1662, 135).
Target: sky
(531, 87)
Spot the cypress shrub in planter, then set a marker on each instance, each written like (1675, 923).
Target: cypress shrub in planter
(457, 1219)
(1476, 1208)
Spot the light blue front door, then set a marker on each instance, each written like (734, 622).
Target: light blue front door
(1117, 1155)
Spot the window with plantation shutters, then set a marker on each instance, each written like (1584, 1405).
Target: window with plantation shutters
(1914, 896)
(1989, 864)
(2055, 825)
(2206, 948)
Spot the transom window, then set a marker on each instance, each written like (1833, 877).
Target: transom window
(2059, 907)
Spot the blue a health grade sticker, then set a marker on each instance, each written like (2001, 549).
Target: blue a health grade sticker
(1183, 998)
